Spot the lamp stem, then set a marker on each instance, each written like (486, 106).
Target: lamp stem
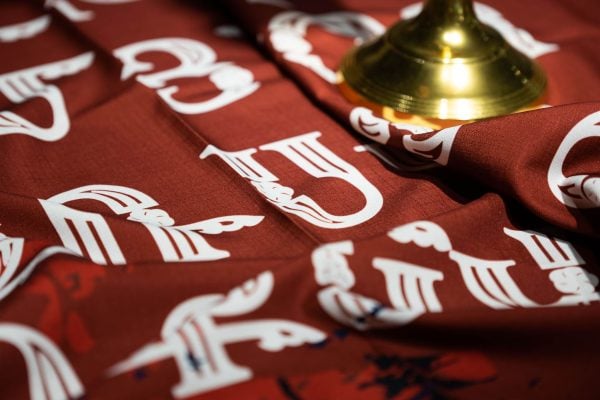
(448, 10)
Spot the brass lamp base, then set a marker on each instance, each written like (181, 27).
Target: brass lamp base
(394, 115)
(444, 64)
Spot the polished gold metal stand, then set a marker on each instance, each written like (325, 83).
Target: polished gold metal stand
(444, 64)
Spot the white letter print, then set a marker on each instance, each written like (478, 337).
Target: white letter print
(489, 280)
(50, 375)
(548, 253)
(577, 191)
(24, 30)
(559, 256)
(73, 13)
(20, 86)
(196, 60)
(419, 140)
(192, 337)
(288, 35)
(315, 159)
(11, 251)
(409, 288)
(176, 243)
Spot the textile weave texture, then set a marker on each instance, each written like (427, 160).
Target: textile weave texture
(191, 209)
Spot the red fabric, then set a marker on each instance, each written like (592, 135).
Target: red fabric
(193, 210)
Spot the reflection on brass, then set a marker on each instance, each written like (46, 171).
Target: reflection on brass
(444, 64)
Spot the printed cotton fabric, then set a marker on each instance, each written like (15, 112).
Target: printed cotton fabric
(190, 209)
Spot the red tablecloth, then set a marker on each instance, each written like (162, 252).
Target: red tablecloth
(189, 209)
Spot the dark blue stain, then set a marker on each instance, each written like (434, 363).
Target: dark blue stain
(287, 389)
(392, 384)
(319, 345)
(363, 319)
(341, 333)
(396, 374)
(194, 361)
(376, 310)
(139, 374)
(388, 361)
